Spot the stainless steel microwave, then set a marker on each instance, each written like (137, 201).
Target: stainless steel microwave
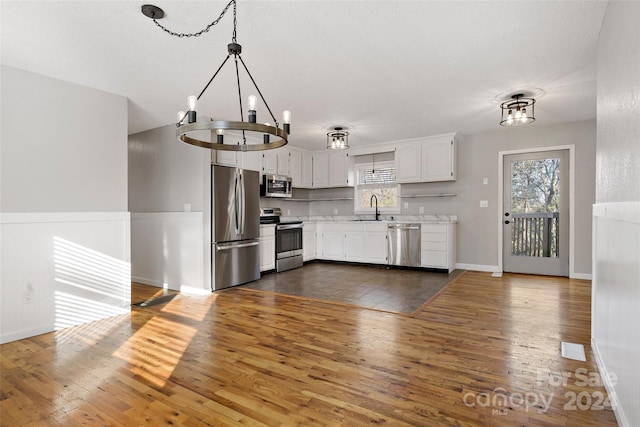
(275, 186)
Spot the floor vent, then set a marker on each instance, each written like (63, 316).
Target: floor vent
(573, 351)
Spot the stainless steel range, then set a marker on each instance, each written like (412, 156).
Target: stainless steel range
(288, 239)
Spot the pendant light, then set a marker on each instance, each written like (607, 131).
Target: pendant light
(187, 122)
(518, 111)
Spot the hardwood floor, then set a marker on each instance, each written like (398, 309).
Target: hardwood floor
(245, 357)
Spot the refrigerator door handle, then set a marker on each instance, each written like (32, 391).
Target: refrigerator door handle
(228, 247)
(236, 210)
(242, 204)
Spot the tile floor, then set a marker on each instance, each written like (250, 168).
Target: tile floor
(378, 287)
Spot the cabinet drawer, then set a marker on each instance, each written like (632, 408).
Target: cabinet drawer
(434, 228)
(434, 237)
(434, 259)
(434, 246)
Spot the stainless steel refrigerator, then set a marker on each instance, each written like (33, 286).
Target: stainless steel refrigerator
(235, 226)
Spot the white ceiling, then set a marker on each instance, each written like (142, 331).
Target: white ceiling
(389, 70)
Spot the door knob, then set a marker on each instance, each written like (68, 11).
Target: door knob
(507, 222)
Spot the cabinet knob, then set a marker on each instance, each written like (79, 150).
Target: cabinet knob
(507, 222)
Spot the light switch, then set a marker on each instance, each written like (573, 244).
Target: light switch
(335, 211)
(406, 205)
(484, 203)
(421, 209)
(485, 181)
(187, 207)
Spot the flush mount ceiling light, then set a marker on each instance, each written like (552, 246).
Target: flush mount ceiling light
(517, 111)
(187, 122)
(337, 138)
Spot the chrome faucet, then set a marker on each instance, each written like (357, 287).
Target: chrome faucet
(373, 196)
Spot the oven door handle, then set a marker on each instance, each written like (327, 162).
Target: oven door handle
(288, 227)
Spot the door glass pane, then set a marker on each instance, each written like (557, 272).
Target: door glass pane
(535, 199)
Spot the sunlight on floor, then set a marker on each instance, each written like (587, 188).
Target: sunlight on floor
(152, 353)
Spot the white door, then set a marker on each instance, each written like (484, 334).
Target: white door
(536, 213)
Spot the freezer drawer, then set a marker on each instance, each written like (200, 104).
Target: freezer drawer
(236, 263)
(404, 244)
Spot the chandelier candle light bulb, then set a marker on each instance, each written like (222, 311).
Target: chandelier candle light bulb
(253, 100)
(220, 136)
(286, 121)
(193, 102)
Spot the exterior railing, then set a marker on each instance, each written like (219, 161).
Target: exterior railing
(535, 234)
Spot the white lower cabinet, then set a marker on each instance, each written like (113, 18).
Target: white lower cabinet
(267, 247)
(308, 241)
(354, 242)
(375, 243)
(438, 246)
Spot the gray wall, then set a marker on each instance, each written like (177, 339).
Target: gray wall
(478, 158)
(165, 174)
(63, 146)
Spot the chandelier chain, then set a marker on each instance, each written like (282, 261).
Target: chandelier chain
(207, 28)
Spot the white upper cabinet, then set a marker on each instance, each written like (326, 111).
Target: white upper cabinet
(339, 169)
(439, 158)
(295, 167)
(320, 170)
(251, 160)
(283, 161)
(270, 162)
(408, 158)
(307, 170)
(430, 159)
(332, 169)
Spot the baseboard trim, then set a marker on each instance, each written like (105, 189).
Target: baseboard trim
(479, 267)
(25, 333)
(618, 411)
(581, 276)
(181, 288)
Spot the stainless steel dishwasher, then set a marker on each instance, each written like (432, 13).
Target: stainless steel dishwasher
(404, 244)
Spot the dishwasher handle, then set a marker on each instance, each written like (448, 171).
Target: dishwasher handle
(403, 227)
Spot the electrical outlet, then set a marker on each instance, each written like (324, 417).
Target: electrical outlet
(335, 211)
(484, 203)
(406, 205)
(421, 209)
(288, 212)
(29, 295)
(485, 181)
(187, 207)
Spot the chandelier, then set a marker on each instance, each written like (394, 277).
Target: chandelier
(338, 138)
(187, 122)
(518, 111)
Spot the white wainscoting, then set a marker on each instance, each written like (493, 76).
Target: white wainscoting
(167, 250)
(615, 308)
(62, 269)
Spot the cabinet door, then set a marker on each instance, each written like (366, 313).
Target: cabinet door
(354, 245)
(270, 162)
(438, 159)
(408, 157)
(320, 170)
(308, 245)
(283, 161)
(227, 158)
(307, 170)
(267, 253)
(338, 169)
(295, 167)
(376, 247)
(252, 160)
(333, 245)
